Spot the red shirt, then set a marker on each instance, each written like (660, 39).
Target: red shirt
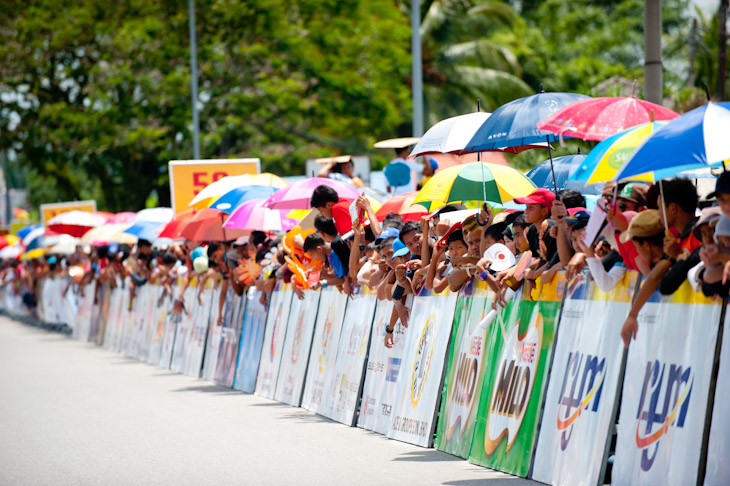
(341, 215)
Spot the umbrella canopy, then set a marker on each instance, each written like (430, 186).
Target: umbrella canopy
(697, 139)
(515, 123)
(542, 176)
(468, 182)
(402, 204)
(229, 201)
(11, 252)
(154, 215)
(450, 135)
(125, 217)
(226, 184)
(297, 195)
(33, 254)
(75, 223)
(25, 230)
(607, 157)
(144, 230)
(33, 239)
(108, 233)
(253, 215)
(599, 118)
(65, 248)
(207, 225)
(8, 240)
(52, 240)
(173, 228)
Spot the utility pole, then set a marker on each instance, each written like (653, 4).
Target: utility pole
(653, 84)
(416, 69)
(194, 80)
(692, 53)
(722, 51)
(8, 209)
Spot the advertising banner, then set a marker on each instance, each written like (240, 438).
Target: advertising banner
(352, 353)
(382, 371)
(200, 325)
(465, 371)
(213, 341)
(100, 314)
(184, 330)
(274, 335)
(188, 177)
(228, 350)
(518, 356)
(583, 387)
(321, 370)
(718, 450)
(252, 339)
(162, 307)
(297, 345)
(664, 400)
(49, 211)
(84, 312)
(422, 369)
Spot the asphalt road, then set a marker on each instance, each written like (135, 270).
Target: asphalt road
(73, 413)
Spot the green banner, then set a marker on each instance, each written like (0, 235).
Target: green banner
(465, 372)
(519, 345)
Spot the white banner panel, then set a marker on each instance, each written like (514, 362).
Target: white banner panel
(84, 313)
(666, 383)
(252, 340)
(228, 350)
(274, 335)
(419, 389)
(381, 375)
(321, 369)
(184, 330)
(582, 391)
(297, 345)
(162, 307)
(718, 450)
(201, 323)
(351, 355)
(213, 341)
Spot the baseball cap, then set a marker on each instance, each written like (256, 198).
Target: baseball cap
(544, 197)
(582, 215)
(241, 240)
(646, 223)
(434, 164)
(722, 185)
(707, 216)
(52, 260)
(723, 227)
(635, 192)
(387, 233)
(399, 249)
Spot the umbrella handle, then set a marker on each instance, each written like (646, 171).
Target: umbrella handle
(552, 168)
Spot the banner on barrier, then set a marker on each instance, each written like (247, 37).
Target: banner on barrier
(465, 370)
(208, 298)
(518, 357)
(352, 354)
(213, 341)
(381, 375)
(274, 335)
(320, 372)
(583, 388)
(297, 345)
(718, 450)
(184, 329)
(228, 349)
(422, 368)
(162, 307)
(666, 384)
(252, 339)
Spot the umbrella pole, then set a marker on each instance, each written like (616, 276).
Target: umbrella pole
(664, 206)
(552, 168)
(479, 158)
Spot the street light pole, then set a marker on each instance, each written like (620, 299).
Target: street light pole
(194, 81)
(416, 69)
(653, 82)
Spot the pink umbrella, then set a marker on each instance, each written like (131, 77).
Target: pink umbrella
(119, 218)
(253, 215)
(297, 195)
(599, 118)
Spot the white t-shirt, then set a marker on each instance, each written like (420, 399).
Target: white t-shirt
(416, 167)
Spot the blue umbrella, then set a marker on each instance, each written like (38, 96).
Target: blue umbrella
(697, 139)
(145, 230)
(229, 201)
(25, 230)
(542, 175)
(515, 123)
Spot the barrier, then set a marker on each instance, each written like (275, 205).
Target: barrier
(230, 334)
(274, 335)
(718, 450)
(213, 339)
(252, 339)
(422, 368)
(519, 348)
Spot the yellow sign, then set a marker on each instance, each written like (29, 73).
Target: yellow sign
(188, 177)
(50, 210)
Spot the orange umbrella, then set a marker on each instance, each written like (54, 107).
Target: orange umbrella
(172, 229)
(207, 225)
(402, 204)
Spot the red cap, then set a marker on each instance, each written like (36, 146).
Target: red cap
(572, 211)
(540, 196)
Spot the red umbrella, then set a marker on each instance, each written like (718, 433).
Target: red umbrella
(402, 204)
(599, 118)
(75, 223)
(207, 225)
(172, 229)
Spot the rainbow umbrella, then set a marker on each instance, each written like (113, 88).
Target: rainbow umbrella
(297, 195)
(253, 215)
(231, 200)
(466, 183)
(226, 184)
(402, 204)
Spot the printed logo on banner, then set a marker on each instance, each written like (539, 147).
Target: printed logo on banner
(515, 380)
(423, 361)
(272, 348)
(326, 334)
(576, 287)
(591, 372)
(669, 387)
(393, 368)
(298, 334)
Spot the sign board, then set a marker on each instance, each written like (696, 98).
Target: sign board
(252, 339)
(718, 450)
(50, 210)
(188, 177)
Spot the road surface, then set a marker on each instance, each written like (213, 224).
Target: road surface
(73, 413)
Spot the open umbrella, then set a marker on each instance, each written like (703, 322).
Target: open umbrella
(599, 118)
(542, 176)
(11, 252)
(124, 217)
(466, 183)
(33, 239)
(207, 225)
(8, 240)
(235, 197)
(154, 215)
(25, 230)
(226, 184)
(75, 223)
(402, 204)
(697, 139)
(144, 230)
(108, 233)
(253, 215)
(297, 195)
(173, 228)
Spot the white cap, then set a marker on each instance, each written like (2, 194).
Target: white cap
(241, 240)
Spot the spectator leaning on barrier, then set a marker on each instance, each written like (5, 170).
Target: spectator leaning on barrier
(537, 211)
(328, 203)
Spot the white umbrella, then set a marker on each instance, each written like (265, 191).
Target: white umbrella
(154, 215)
(450, 135)
(11, 252)
(62, 249)
(63, 239)
(109, 233)
(75, 223)
(36, 233)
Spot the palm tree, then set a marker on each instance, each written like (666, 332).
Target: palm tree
(460, 63)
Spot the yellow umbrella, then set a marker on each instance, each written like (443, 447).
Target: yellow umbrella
(33, 254)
